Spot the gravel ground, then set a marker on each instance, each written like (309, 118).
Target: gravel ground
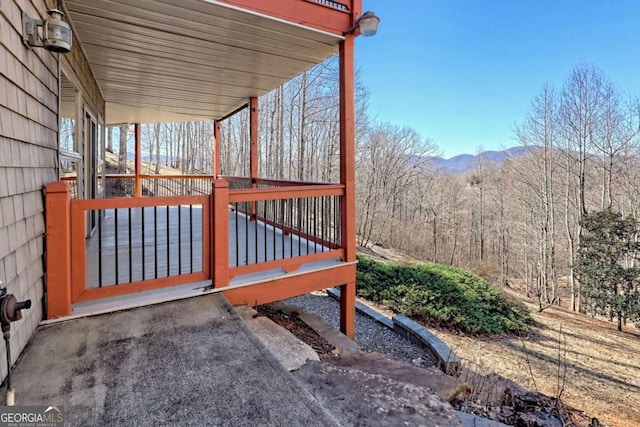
(370, 335)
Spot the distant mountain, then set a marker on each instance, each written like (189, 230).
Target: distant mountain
(465, 162)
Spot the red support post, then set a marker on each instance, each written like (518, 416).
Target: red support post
(348, 146)
(347, 178)
(220, 227)
(253, 137)
(138, 161)
(348, 309)
(58, 249)
(217, 155)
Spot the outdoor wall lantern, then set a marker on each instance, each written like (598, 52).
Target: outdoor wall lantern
(367, 24)
(53, 34)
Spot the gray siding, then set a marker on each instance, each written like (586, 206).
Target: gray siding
(28, 159)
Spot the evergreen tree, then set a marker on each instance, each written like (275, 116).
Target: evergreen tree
(607, 267)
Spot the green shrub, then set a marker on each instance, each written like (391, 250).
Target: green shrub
(440, 295)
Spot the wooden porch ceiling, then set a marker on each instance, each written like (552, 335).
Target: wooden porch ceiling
(179, 60)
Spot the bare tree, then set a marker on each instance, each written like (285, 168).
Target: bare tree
(122, 149)
(538, 133)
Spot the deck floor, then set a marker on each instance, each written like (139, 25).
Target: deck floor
(159, 242)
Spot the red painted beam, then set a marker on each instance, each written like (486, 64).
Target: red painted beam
(348, 179)
(288, 287)
(217, 155)
(253, 155)
(253, 138)
(348, 146)
(138, 161)
(307, 12)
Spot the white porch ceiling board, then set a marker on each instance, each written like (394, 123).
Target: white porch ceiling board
(176, 30)
(120, 60)
(175, 109)
(120, 113)
(210, 89)
(161, 60)
(171, 104)
(200, 53)
(181, 94)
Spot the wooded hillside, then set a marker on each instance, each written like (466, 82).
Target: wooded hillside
(517, 223)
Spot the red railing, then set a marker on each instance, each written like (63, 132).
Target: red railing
(136, 244)
(299, 224)
(148, 234)
(123, 185)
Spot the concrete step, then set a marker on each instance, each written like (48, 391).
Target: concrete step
(445, 386)
(360, 388)
(286, 347)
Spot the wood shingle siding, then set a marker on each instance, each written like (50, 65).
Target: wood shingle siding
(29, 156)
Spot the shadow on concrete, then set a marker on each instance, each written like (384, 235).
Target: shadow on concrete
(188, 362)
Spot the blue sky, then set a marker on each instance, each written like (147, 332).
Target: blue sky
(464, 72)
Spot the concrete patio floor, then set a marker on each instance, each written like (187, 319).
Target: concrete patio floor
(188, 362)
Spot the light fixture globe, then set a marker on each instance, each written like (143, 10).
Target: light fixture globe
(57, 33)
(53, 34)
(368, 24)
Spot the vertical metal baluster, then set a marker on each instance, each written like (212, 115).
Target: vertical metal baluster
(179, 239)
(191, 237)
(130, 249)
(117, 260)
(144, 260)
(315, 225)
(246, 233)
(291, 228)
(322, 223)
(307, 234)
(335, 220)
(168, 245)
(332, 228)
(339, 222)
(237, 226)
(283, 214)
(255, 224)
(99, 248)
(155, 240)
(299, 215)
(275, 215)
(264, 215)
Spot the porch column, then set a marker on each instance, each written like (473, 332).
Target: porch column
(138, 161)
(58, 249)
(253, 156)
(216, 149)
(347, 178)
(220, 227)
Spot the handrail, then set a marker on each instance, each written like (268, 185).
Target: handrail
(177, 176)
(130, 176)
(261, 194)
(263, 181)
(138, 202)
(268, 181)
